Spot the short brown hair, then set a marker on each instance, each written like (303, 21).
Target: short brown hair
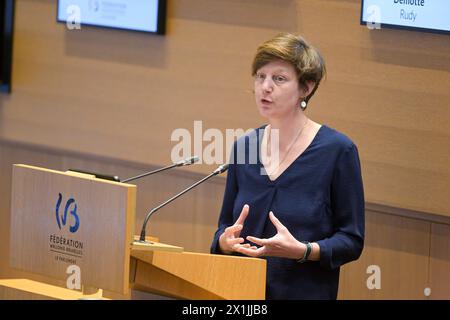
(307, 61)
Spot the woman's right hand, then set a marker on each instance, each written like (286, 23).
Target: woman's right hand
(230, 239)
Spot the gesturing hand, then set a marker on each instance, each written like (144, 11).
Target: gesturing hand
(283, 244)
(229, 240)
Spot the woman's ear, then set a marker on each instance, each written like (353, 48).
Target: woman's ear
(310, 85)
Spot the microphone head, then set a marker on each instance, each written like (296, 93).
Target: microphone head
(188, 161)
(221, 169)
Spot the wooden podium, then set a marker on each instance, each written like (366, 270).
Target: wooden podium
(62, 221)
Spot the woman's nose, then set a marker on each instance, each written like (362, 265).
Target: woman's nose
(267, 85)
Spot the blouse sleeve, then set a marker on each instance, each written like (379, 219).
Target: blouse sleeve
(226, 214)
(347, 205)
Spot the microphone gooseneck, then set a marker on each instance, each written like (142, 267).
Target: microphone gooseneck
(185, 162)
(219, 170)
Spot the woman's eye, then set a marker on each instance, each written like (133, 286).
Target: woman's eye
(260, 76)
(279, 79)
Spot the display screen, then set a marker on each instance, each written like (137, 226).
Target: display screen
(6, 39)
(138, 15)
(424, 15)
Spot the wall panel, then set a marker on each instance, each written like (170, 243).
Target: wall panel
(121, 94)
(410, 248)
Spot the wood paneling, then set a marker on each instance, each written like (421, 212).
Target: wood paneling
(23, 289)
(440, 262)
(190, 275)
(104, 212)
(108, 101)
(399, 247)
(121, 94)
(189, 221)
(411, 249)
(10, 154)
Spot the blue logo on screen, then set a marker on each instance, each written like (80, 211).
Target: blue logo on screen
(63, 218)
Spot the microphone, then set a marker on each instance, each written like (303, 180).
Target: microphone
(219, 170)
(185, 162)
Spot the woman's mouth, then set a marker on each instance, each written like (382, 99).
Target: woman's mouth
(266, 101)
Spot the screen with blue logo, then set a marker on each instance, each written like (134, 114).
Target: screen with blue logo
(139, 15)
(426, 15)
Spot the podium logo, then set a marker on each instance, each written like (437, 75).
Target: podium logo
(63, 217)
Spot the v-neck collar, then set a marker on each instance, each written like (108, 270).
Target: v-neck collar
(263, 168)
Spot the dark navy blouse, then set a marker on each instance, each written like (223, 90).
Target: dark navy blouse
(319, 198)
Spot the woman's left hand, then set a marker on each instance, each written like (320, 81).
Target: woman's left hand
(283, 244)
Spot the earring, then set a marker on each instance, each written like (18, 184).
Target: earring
(303, 105)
